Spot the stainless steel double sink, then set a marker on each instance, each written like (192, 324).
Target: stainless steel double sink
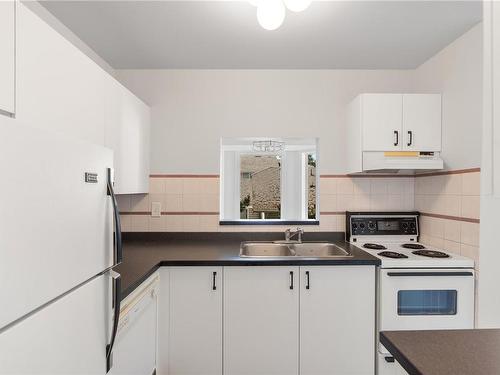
(283, 249)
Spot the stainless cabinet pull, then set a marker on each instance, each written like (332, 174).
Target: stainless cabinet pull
(410, 138)
(396, 140)
(291, 279)
(214, 284)
(308, 284)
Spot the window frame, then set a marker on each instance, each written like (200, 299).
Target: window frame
(236, 186)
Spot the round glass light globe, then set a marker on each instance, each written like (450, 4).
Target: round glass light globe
(271, 14)
(297, 5)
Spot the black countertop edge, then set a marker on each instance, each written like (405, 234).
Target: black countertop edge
(127, 291)
(400, 357)
(167, 242)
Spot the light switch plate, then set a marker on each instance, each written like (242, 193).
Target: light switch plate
(155, 209)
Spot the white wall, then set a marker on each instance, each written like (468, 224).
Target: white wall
(489, 276)
(456, 72)
(192, 109)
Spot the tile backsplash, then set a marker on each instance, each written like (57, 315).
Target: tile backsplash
(191, 203)
(449, 205)
(448, 202)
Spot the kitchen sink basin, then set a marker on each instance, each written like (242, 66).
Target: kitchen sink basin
(264, 249)
(318, 250)
(292, 250)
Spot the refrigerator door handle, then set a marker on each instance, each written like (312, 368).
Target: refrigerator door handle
(118, 249)
(116, 317)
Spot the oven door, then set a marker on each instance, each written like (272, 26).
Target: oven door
(421, 299)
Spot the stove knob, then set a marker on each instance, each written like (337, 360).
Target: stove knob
(412, 225)
(371, 226)
(354, 226)
(362, 225)
(405, 226)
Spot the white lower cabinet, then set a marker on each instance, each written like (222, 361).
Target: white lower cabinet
(267, 320)
(261, 320)
(387, 365)
(195, 321)
(337, 320)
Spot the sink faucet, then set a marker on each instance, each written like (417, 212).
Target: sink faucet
(289, 234)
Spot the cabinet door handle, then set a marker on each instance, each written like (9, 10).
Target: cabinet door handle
(410, 138)
(214, 284)
(396, 139)
(308, 282)
(291, 279)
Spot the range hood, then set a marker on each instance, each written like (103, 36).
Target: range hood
(401, 162)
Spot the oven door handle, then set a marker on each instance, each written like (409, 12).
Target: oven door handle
(444, 274)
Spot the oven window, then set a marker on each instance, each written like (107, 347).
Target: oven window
(427, 302)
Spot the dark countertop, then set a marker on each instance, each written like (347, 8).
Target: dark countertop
(447, 352)
(144, 253)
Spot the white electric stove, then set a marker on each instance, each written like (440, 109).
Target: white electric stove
(419, 287)
(408, 253)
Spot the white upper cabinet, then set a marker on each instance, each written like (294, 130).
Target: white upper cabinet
(396, 122)
(127, 134)
(195, 340)
(60, 89)
(381, 116)
(422, 122)
(261, 320)
(7, 56)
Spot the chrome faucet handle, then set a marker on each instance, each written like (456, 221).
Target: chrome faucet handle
(299, 232)
(289, 234)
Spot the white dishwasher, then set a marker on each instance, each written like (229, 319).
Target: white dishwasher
(135, 346)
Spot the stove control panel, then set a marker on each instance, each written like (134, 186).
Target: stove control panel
(380, 226)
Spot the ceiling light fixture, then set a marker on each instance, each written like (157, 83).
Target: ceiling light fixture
(271, 13)
(297, 5)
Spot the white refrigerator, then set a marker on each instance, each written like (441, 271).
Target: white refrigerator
(58, 292)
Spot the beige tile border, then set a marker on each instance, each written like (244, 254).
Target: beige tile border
(456, 218)
(367, 175)
(170, 213)
(184, 176)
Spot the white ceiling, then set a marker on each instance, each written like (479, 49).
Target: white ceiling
(226, 35)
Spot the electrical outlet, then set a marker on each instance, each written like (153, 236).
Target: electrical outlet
(155, 209)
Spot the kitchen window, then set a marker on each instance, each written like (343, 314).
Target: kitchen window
(269, 181)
